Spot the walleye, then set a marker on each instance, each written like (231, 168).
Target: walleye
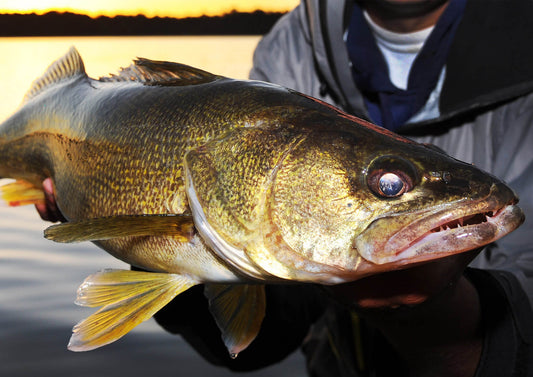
(201, 179)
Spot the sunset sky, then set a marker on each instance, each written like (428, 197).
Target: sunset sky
(151, 8)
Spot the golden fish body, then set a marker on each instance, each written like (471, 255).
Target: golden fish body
(205, 179)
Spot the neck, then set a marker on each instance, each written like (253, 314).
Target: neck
(403, 23)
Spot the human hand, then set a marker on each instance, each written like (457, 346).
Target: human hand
(49, 210)
(404, 288)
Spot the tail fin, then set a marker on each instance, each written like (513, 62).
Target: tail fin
(20, 193)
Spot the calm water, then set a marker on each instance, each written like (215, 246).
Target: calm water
(38, 278)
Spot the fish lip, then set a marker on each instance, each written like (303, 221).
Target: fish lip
(439, 233)
(491, 228)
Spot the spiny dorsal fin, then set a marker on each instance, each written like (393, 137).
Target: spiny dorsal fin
(68, 66)
(160, 73)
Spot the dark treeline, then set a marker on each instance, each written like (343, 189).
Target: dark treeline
(68, 24)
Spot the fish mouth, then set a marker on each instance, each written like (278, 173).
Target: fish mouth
(456, 228)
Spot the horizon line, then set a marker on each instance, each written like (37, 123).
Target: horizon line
(134, 12)
(76, 12)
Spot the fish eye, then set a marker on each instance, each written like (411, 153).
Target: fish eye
(390, 185)
(390, 177)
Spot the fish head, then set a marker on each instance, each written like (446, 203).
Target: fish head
(332, 199)
(429, 205)
(368, 201)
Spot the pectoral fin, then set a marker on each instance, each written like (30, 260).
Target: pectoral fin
(128, 298)
(21, 193)
(238, 311)
(180, 226)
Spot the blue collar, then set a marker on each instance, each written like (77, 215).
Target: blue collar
(389, 106)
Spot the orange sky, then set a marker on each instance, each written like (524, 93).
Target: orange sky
(150, 8)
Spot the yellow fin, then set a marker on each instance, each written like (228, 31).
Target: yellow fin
(238, 311)
(128, 298)
(103, 228)
(20, 193)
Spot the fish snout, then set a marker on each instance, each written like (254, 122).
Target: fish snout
(468, 182)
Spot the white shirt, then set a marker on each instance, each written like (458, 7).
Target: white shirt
(400, 51)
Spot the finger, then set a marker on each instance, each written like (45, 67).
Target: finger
(406, 287)
(49, 210)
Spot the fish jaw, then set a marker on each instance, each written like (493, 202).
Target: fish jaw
(451, 229)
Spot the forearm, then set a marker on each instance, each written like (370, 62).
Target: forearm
(503, 326)
(290, 311)
(430, 314)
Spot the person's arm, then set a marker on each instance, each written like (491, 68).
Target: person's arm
(509, 156)
(290, 312)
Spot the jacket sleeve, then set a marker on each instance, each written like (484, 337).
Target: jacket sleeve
(506, 325)
(502, 143)
(343, 344)
(281, 55)
(290, 312)
(511, 158)
(285, 56)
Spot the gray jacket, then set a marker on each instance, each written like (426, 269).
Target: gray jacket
(492, 129)
(486, 118)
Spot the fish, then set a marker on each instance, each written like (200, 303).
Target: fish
(195, 178)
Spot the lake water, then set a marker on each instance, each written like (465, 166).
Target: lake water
(39, 278)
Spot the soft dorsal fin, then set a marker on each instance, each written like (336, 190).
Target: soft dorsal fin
(160, 73)
(68, 66)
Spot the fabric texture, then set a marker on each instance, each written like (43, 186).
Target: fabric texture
(388, 105)
(399, 49)
(485, 117)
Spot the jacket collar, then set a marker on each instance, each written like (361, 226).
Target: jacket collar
(327, 23)
(470, 85)
(498, 34)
